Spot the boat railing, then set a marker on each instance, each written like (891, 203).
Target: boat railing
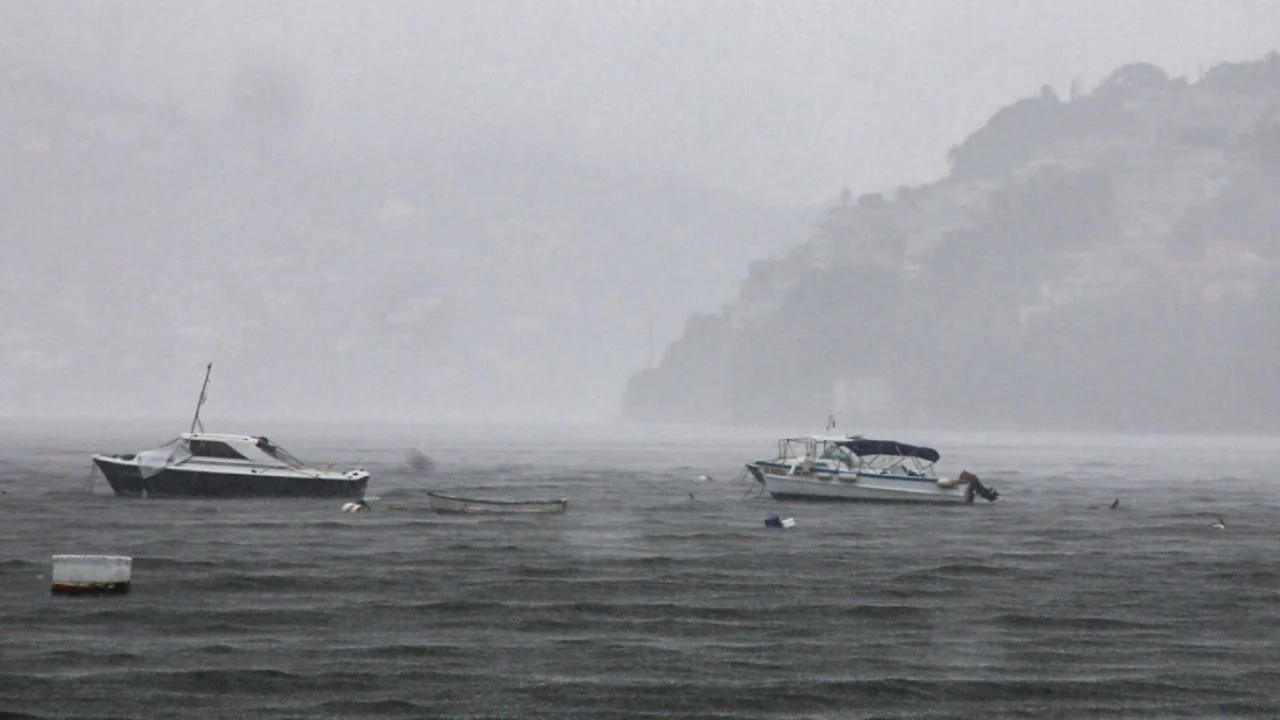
(895, 465)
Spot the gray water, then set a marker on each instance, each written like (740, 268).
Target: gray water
(644, 602)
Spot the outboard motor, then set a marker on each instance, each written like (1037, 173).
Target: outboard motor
(975, 487)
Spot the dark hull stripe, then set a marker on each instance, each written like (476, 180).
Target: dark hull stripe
(119, 588)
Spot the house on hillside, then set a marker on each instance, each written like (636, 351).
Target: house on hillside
(1227, 268)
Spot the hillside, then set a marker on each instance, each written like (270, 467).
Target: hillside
(1105, 261)
(373, 281)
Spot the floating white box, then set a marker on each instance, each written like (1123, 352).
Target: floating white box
(73, 574)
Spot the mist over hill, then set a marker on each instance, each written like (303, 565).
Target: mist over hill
(466, 279)
(1106, 260)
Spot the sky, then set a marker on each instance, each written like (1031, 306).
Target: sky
(786, 101)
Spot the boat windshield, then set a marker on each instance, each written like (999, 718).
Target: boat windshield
(279, 453)
(835, 452)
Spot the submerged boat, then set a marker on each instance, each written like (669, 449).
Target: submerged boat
(201, 464)
(853, 468)
(442, 503)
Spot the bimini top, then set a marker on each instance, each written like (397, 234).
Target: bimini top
(862, 447)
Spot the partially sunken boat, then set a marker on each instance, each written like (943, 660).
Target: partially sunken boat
(216, 465)
(442, 503)
(853, 468)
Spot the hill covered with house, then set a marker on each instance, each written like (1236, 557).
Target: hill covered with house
(1108, 260)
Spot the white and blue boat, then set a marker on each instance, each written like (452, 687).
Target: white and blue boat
(853, 469)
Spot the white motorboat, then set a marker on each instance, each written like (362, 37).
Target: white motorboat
(853, 468)
(218, 465)
(201, 464)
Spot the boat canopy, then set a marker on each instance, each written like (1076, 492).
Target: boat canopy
(862, 447)
(174, 452)
(242, 448)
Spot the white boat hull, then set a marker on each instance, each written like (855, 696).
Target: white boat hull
(847, 487)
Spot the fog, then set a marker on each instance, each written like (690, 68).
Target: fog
(460, 211)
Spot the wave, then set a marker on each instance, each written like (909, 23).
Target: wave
(959, 570)
(1085, 623)
(374, 708)
(402, 651)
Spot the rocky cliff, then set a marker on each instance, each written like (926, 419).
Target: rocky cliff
(1102, 261)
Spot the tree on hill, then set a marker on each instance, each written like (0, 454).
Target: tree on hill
(1011, 138)
(1255, 78)
(1131, 81)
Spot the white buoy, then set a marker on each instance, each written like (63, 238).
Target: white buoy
(76, 574)
(357, 506)
(946, 482)
(788, 522)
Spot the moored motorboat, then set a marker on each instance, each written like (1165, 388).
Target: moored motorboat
(224, 466)
(443, 503)
(853, 468)
(219, 465)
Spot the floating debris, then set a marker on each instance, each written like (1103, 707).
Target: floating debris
(777, 522)
(91, 574)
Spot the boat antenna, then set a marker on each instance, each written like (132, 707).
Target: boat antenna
(195, 421)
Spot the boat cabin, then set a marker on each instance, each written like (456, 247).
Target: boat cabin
(220, 449)
(854, 453)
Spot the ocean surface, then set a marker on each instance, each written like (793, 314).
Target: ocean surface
(657, 594)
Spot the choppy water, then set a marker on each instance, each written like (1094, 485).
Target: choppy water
(644, 602)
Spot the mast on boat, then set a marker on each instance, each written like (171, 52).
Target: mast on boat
(195, 421)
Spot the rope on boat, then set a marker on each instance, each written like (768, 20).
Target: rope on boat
(755, 487)
(93, 475)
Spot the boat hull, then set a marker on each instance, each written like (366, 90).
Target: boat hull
(471, 506)
(126, 480)
(847, 487)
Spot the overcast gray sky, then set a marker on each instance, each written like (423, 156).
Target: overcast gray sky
(784, 99)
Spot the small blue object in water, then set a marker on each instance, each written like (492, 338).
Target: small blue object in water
(773, 521)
